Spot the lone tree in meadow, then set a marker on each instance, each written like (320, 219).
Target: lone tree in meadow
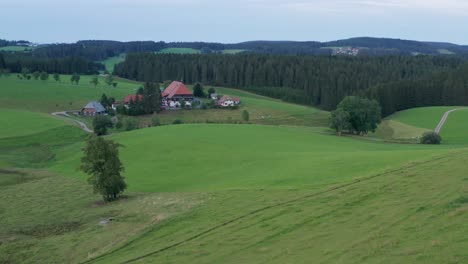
(357, 115)
(44, 76)
(109, 80)
(100, 124)
(57, 77)
(75, 78)
(94, 81)
(198, 90)
(102, 163)
(36, 75)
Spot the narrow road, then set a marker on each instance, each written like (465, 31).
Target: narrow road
(82, 125)
(444, 118)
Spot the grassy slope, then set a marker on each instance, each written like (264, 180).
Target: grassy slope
(179, 51)
(214, 157)
(423, 117)
(53, 219)
(262, 110)
(19, 123)
(414, 215)
(417, 214)
(455, 130)
(413, 122)
(49, 96)
(112, 61)
(15, 48)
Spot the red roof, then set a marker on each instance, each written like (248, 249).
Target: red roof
(176, 88)
(133, 97)
(227, 97)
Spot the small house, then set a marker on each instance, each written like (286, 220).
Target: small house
(93, 108)
(227, 101)
(214, 96)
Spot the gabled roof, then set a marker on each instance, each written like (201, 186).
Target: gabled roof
(96, 106)
(176, 88)
(133, 97)
(227, 97)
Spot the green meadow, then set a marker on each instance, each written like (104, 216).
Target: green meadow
(262, 110)
(51, 96)
(110, 63)
(423, 117)
(455, 130)
(179, 51)
(220, 156)
(229, 193)
(15, 48)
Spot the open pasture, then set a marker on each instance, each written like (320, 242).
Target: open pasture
(225, 157)
(51, 96)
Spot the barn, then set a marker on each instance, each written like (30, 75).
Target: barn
(93, 108)
(175, 93)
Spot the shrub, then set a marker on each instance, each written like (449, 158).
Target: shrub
(431, 138)
(100, 124)
(177, 122)
(131, 124)
(245, 116)
(119, 124)
(155, 121)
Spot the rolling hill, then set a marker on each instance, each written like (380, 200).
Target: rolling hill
(228, 193)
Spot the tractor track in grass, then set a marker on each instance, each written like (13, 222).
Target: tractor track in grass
(265, 208)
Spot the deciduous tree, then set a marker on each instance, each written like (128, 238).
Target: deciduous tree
(100, 124)
(102, 163)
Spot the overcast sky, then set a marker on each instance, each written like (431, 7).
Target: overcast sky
(231, 21)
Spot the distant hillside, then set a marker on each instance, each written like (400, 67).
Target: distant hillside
(367, 46)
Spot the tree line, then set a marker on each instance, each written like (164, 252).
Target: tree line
(312, 80)
(16, 62)
(449, 87)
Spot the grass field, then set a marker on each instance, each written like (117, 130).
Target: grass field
(412, 215)
(179, 51)
(413, 122)
(15, 48)
(455, 130)
(233, 51)
(262, 110)
(50, 96)
(298, 158)
(423, 117)
(229, 193)
(112, 61)
(19, 123)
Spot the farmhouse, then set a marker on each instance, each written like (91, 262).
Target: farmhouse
(174, 94)
(227, 101)
(93, 108)
(127, 101)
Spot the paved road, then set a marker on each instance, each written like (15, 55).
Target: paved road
(81, 124)
(444, 118)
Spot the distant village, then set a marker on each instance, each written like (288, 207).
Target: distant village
(348, 51)
(175, 97)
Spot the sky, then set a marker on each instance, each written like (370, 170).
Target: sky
(226, 21)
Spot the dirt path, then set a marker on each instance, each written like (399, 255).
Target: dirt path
(444, 118)
(82, 125)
